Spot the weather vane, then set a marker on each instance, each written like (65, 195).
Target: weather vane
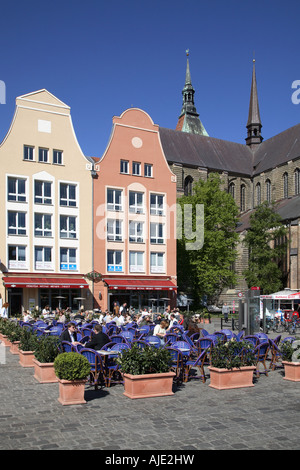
(187, 52)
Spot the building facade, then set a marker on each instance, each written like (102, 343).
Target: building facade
(135, 217)
(44, 182)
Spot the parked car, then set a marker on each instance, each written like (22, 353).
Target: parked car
(214, 309)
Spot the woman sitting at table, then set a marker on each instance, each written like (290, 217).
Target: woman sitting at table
(160, 330)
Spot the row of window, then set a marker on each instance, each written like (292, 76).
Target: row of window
(115, 262)
(43, 258)
(16, 191)
(136, 231)
(135, 201)
(136, 168)
(29, 154)
(17, 225)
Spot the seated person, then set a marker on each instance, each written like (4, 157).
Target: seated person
(98, 338)
(70, 334)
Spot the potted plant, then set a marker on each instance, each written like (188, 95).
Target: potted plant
(146, 372)
(72, 370)
(290, 354)
(232, 365)
(27, 345)
(47, 349)
(6, 327)
(14, 334)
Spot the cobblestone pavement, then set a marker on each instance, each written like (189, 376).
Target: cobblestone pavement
(197, 417)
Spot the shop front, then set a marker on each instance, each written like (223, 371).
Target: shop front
(26, 293)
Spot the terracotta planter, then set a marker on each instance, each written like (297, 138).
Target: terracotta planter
(291, 371)
(14, 349)
(223, 379)
(44, 372)
(26, 358)
(5, 340)
(148, 385)
(71, 392)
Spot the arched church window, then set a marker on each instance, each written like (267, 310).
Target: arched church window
(297, 181)
(243, 198)
(258, 194)
(188, 183)
(268, 191)
(285, 185)
(231, 189)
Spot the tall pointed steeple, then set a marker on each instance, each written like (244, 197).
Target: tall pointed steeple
(188, 120)
(254, 125)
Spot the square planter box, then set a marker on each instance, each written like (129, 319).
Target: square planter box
(223, 379)
(148, 385)
(44, 372)
(71, 392)
(291, 371)
(14, 349)
(5, 340)
(26, 358)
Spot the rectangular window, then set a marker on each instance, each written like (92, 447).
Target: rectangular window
(136, 232)
(67, 195)
(17, 257)
(136, 261)
(136, 168)
(136, 202)
(16, 223)
(43, 257)
(42, 225)
(156, 233)
(43, 155)
(157, 262)
(124, 166)
(28, 153)
(156, 204)
(114, 261)
(68, 259)
(114, 199)
(114, 230)
(42, 192)
(67, 226)
(16, 189)
(148, 170)
(57, 157)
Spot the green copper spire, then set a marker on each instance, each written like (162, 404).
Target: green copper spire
(188, 120)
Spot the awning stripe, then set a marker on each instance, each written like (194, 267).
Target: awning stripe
(51, 283)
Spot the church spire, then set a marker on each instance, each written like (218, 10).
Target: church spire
(188, 120)
(254, 123)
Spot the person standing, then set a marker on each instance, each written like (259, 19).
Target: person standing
(225, 312)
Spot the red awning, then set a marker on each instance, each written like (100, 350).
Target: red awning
(137, 284)
(43, 282)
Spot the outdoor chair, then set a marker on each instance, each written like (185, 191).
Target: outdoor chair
(262, 337)
(229, 334)
(205, 344)
(141, 344)
(289, 338)
(143, 331)
(185, 349)
(276, 356)
(68, 347)
(97, 372)
(277, 340)
(129, 337)
(240, 336)
(170, 338)
(204, 332)
(113, 373)
(86, 331)
(153, 341)
(199, 363)
(194, 337)
(252, 339)
(117, 339)
(221, 336)
(176, 363)
(261, 353)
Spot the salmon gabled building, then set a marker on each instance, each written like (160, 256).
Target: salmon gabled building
(134, 217)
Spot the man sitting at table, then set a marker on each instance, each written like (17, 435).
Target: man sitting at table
(70, 334)
(98, 338)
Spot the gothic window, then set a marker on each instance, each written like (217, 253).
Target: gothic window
(297, 181)
(268, 190)
(258, 194)
(231, 189)
(188, 186)
(243, 198)
(285, 185)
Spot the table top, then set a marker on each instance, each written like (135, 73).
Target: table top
(106, 353)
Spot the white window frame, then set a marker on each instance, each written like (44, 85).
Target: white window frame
(115, 266)
(17, 195)
(115, 206)
(43, 155)
(47, 200)
(67, 201)
(136, 261)
(42, 231)
(155, 237)
(44, 263)
(155, 208)
(136, 231)
(68, 265)
(114, 229)
(68, 232)
(18, 223)
(136, 168)
(17, 263)
(57, 157)
(135, 206)
(148, 170)
(156, 266)
(124, 167)
(28, 153)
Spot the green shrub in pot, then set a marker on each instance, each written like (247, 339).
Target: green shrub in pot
(71, 366)
(47, 349)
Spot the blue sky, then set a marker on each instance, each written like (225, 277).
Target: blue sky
(102, 57)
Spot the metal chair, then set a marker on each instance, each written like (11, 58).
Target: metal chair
(176, 363)
(261, 352)
(199, 363)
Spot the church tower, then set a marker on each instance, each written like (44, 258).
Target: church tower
(188, 120)
(254, 125)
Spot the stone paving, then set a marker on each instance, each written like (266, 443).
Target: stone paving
(197, 417)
